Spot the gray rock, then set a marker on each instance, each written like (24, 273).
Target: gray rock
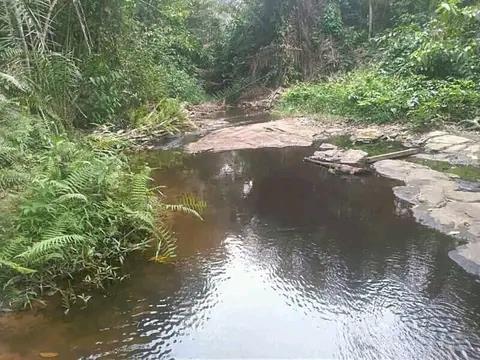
(327, 146)
(439, 202)
(348, 157)
(367, 135)
(443, 142)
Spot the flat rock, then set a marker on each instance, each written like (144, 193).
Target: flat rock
(327, 146)
(366, 135)
(340, 156)
(439, 202)
(442, 142)
(272, 134)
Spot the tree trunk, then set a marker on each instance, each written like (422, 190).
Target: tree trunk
(370, 18)
(16, 28)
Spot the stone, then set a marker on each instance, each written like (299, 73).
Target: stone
(327, 146)
(438, 201)
(348, 157)
(468, 256)
(367, 135)
(271, 134)
(442, 142)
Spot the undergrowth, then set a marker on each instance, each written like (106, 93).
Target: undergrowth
(424, 73)
(71, 214)
(376, 96)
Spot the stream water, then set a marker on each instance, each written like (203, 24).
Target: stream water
(290, 262)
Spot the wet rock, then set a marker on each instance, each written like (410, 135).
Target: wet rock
(439, 202)
(327, 146)
(443, 142)
(335, 155)
(272, 134)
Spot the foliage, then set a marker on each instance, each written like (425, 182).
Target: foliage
(428, 73)
(447, 46)
(69, 228)
(380, 97)
(88, 62)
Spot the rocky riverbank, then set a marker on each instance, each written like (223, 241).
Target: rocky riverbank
(437, 199)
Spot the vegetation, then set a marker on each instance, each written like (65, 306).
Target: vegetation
(72, 206)
(376, 96)
(72, 213)
(427, 73)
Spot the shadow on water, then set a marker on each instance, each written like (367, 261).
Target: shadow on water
(289, 262)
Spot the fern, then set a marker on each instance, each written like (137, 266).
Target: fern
(52, 245)
(79, 179)
(12, 177)
(144, 217)
(16, 267)
(193, 202)
(139, 192)
(187, 204)
(166, 243)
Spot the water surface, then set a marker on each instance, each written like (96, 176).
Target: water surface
(290, 262)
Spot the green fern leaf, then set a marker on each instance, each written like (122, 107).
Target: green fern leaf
(14, 266)
(51, 245)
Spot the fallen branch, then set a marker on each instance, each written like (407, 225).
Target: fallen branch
(392, 155)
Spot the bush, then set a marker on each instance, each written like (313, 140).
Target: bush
(69, 228)
(110, 92)
(374, 96)
(447, 46)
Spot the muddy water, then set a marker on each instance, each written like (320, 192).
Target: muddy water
(290, 262)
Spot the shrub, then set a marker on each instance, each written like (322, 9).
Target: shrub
(374, 96)
(70, 227)
(447, 46)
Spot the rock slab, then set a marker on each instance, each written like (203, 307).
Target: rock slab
(455, 149)
(439, 202)
(272, 134)
(331, 153)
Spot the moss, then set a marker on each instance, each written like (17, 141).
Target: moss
(374, 148)
(465, 172)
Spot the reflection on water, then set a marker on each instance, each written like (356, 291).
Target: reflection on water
(290, 262)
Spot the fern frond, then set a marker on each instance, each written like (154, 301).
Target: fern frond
(12, 177)
(13, 247)
(8, 155)
(166, 242)
(139, 192)
(12, 80)
(178, 208)
(193, 202)
(14, 266)
(144, 217)
(51, 245)
(79, 179)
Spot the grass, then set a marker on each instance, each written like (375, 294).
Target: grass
(465, 172)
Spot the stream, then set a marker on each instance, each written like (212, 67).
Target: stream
(289, 262)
